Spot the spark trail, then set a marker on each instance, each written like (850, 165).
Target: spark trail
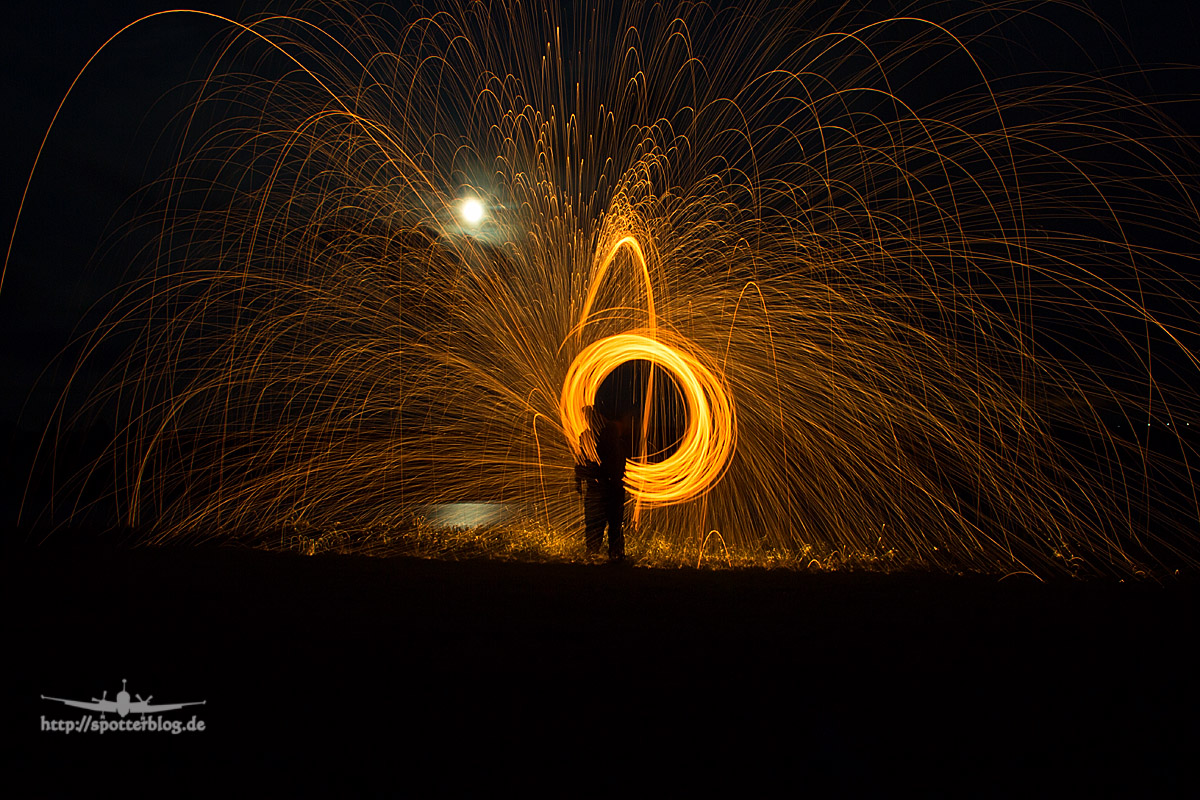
(905, 300)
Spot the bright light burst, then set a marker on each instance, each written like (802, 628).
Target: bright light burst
(909, 305)
(472, 211)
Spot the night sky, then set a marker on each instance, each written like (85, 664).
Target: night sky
(102, 150)
(106, 143)
(106, 146)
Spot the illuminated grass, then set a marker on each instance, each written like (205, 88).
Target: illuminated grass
(531, 542)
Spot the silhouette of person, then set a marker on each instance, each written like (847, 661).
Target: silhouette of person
(605, 447)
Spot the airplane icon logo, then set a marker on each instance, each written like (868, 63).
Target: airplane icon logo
(122, 705)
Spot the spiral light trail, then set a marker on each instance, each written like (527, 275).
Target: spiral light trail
(703, 453)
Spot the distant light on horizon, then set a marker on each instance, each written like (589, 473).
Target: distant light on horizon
(467, 514)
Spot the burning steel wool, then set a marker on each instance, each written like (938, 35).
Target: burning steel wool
(878, 296)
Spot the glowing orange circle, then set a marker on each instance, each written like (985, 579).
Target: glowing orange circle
(708, 439)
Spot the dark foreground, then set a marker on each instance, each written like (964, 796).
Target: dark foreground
(407, 676)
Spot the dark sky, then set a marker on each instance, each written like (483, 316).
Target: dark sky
(104, 146)
(94, 160)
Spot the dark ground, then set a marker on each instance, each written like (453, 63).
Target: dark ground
(407, 676)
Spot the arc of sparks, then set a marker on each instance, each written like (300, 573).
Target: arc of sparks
(704, 451)
(598, 278)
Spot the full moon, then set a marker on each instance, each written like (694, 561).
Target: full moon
(472, 211)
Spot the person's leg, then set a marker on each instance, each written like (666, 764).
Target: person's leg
(593, 520)
(616, 517)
